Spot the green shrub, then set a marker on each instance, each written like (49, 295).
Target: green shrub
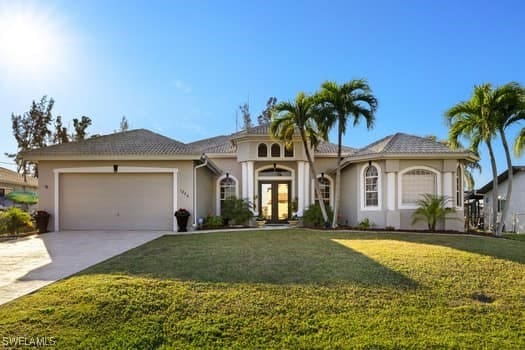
(237, 210)
(213, 222)
(366, 223)
(313, 216)
(13, 219)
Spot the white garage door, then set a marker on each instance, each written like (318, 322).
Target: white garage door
(120, 201)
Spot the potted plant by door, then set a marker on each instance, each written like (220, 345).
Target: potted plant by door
(182, 216)
(260, 221)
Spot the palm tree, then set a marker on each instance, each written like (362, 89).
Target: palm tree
(519, 145)
(302, 115)
(431, 209)
(511, 97)
(338, 103)
(475, 120)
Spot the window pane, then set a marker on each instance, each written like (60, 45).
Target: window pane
(324, 186)
(288, 151)
(276, 150)
(417, 183)
(227, 188)
(371, 186)
(262, 150)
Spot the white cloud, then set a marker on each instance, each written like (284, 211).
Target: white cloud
(182, 86)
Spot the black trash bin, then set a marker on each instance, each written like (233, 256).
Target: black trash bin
(41, 220)
(182, 216)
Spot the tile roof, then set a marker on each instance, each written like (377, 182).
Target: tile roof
(327, 147)
(12, 177)
(224, 144)
(217, 144)
(400, 143)
(133, 142)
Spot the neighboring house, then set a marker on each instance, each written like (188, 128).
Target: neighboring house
(515, 221)
(137, 179)
(12, 181)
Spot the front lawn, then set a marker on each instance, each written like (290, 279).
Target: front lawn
(288, 289)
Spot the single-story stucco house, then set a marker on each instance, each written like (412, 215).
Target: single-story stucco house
(12, 181)
(135, 180)
(515, 221)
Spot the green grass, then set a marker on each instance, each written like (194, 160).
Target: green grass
(288, 289)
(515, 236)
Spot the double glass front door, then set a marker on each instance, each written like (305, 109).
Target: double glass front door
(274, 200)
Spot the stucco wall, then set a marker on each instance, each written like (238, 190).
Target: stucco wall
(46, 187)
(205, 193)
(248, 150)
(353, 193)
(349, 195)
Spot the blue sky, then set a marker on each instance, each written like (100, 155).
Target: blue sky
(182, 68)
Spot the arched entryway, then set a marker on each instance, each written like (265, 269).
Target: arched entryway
(274, 185)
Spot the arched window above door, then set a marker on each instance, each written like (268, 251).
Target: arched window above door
(262, 150)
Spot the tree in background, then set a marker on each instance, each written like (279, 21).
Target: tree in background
(266, 115)
(60, 135)
(246, 116)
(36, 128)
(353, 99)
(31, 130)
(80, 127)
(124, 125)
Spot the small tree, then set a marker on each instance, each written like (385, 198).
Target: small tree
(13, 219)
(246, 116)
(80, 127)
(237, 209)
(124, 124)
(266, 115)
(60, 135)
(431, 209)
(313, 216)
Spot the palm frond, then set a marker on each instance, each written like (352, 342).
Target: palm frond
(519, 144)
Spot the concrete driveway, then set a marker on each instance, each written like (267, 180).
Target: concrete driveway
(28, 264)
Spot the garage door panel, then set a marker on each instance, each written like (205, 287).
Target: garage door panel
(116, 201)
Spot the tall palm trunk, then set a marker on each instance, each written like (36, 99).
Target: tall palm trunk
(494, 167)
(509, 183)
(338, 177)
(313, 173)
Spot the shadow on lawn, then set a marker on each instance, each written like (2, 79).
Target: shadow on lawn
(254, 257)
(490, 246)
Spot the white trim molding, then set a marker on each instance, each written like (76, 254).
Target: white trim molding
(400, 185)
(362, 195)
(109, 170)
